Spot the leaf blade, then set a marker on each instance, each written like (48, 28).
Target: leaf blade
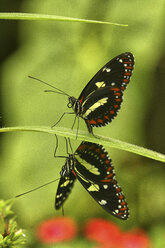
(85, 136)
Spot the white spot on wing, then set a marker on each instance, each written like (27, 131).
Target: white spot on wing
(106, 69)
(58, 196)
(93, 187)
(65, 184)
(103, 202)
(100, 84)
(105, 186)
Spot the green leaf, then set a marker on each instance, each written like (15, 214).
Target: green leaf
(84, 136)
(43, 17)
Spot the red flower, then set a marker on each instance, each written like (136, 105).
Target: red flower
(136, 239)
(108, 235)
(56, 230)
(105, 232)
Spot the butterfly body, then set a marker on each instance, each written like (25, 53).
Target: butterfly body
(101, 99)
(93, 168)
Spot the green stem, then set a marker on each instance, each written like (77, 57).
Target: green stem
(43, 17)
(109, 142)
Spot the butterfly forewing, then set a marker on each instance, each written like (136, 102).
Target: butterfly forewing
(95, 171)
(64, 188)
(117, 70)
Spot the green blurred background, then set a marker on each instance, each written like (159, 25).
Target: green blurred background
(67, 55)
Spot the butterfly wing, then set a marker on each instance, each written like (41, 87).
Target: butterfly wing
(117, 72)
(100, 100)
(64, 188)
(94, 169)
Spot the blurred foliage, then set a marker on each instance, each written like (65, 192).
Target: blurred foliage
(68, 55)
(10, 235)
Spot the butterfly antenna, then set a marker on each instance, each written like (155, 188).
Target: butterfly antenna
(54, 92)
(41, 81)
(41, 186)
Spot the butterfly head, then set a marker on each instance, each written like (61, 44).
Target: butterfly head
(72, 101)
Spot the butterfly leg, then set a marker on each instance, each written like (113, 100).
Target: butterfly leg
(74, 122)
(61, 118)
(55, 150)
(90, 128)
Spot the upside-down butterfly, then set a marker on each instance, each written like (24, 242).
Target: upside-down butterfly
(92, 166)
(101, 98)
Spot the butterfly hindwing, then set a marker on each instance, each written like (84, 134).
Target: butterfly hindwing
(102, 106)
(95, 171)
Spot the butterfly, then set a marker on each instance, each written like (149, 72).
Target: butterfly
(93, 168)
(100, 100)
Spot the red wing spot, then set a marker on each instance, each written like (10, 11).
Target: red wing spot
(74, 173)
(118, 100)
(98, 150)
(82, 147)
(112, 112)
(106, 180)
(81, 99)
(128, 62)
(109, 169)
(123, 203)
(115, 89)
(122, 88)
(118, 93)
(129, 67)
(102, 155)
(107, 162)
(110, 175)
(127, 74)
(118, 190)
(123, 209)
(116, 106)
(90, 147)
(99, 121)
(125, 80)
(118, 214)
(121, 197)
(114, 182)
(106, 117)
(91, 122)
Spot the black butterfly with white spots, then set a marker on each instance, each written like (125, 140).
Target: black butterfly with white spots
(101, 99)
(92, 166)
